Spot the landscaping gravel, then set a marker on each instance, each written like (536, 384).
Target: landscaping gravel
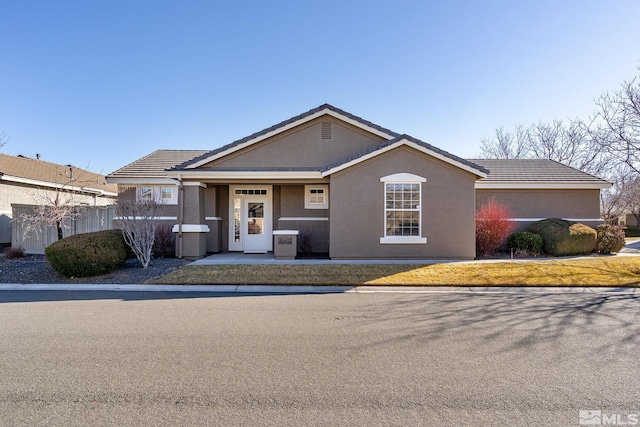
(36, 269)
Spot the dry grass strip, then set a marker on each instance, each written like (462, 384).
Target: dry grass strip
(591, 271)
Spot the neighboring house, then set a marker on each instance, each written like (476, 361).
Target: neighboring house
(627, 219)
(352, 189)
(28, 181)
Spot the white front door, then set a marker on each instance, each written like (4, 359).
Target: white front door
(250, 229)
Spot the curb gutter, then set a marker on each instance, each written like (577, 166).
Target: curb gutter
(258, 289)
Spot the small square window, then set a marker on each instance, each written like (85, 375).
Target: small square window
(316, 197)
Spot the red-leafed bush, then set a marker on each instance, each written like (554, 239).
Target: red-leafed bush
(493, 226)
(164, 244)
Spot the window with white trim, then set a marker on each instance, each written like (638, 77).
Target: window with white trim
(403, 208)
(161, 194)
(316, 197)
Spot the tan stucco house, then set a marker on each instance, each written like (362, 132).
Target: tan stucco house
(32, 181)
(349, 187)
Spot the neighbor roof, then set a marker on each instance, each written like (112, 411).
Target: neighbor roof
(541, 173)
(154, 165)
(38, 172)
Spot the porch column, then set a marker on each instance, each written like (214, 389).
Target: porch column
(191, 228)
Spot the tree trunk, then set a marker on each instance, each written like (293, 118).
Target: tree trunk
(59, 228)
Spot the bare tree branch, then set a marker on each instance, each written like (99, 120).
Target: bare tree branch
(618, 127)
(58, 207)
(506, 144)
(139, 220)
(3, 139)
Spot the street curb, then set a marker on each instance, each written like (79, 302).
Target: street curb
(257, 289)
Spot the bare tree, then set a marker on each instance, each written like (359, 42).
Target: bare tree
(568, 144)
(57, 211)
(630, 196)
(618, 123)
(139, 220)
(506, 144)
(617, 199)
(58, 207)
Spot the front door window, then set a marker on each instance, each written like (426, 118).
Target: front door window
(255, 214)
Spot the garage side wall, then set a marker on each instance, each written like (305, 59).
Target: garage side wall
(527, 206)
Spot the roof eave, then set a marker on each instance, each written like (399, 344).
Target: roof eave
(541, 185)
(140, 180)
(54, 185)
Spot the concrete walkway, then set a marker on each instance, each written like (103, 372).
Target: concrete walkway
(240, 258)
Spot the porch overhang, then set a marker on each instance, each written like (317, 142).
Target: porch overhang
(246, 176)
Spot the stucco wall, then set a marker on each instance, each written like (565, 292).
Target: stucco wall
(313, 224)
(357, 208)
(302, 147)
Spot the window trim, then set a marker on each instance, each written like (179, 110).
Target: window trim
(402, 178)
(307, 196)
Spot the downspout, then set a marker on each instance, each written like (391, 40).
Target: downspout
(180, 214)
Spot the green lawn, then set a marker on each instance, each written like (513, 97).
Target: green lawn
(590, 271)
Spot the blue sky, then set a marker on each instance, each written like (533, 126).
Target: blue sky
(99, 84)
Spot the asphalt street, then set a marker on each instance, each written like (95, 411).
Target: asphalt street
(135, 358)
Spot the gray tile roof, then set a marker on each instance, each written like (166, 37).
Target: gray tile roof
(415, 141)
(154, 165)
(533, 170)
(53, 173)
(280, 125)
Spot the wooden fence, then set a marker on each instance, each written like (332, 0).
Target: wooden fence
(91, 218)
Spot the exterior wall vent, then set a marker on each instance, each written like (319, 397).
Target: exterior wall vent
(326, 130)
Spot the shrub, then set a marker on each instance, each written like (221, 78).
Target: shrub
(562, 238)
(88, 254)
(493, 226)
(526, 241)
(164, 244)
(610, 238)
(14, 252)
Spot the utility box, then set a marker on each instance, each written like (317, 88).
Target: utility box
(285, 244)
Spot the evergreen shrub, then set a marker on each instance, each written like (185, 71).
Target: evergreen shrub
(526, 241)
(88, 254)
(564, 238)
